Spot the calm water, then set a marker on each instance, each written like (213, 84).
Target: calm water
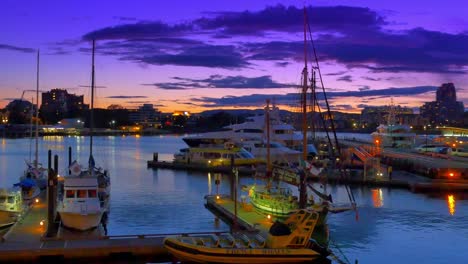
(393, 226)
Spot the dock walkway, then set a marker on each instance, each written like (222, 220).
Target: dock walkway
(25, 242)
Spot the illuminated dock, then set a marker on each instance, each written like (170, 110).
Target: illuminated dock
(26, 242)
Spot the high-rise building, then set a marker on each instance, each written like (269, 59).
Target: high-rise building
(445, 110)
(58, 104)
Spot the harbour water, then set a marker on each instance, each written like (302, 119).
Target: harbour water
(392, 226)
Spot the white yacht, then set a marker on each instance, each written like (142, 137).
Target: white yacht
(392, 134)
(396, 136)
(83, 197)
(11, 206)
(285, 141)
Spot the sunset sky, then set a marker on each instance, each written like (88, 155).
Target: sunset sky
(204, 54)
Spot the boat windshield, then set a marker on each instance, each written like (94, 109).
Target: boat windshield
(245, 154)
(2, 199)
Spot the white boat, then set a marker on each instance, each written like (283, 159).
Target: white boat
(286, 141)
(286, 242)
(83, 198)
(392, 134)
(84, 195)
(395, 136)
(11, 206)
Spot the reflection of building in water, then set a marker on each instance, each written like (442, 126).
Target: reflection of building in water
(377, 197)
(451, 204)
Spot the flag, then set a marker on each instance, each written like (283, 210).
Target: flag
(75, 168)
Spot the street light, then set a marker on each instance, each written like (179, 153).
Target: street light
(425, 133)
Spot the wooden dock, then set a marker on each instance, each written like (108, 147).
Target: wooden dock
(25, 242)
(243, 170)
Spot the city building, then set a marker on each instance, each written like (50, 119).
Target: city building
(58, 104)
(375, 115)
(145, 115)
(446, 110)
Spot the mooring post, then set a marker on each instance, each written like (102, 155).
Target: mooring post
(69, 159)
(50, 184)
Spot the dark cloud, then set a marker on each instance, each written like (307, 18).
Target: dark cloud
(336, 73)
(293, 98)
(126, 96)
(364, 88)
(290, 19)
(355, 37)
(218, 81)
(204, 56)
(371, 79)
(138, 30)
(15, 48)
(346, 78)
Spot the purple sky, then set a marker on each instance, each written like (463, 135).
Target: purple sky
(197, 55)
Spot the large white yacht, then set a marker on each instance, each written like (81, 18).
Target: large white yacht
(285, 140)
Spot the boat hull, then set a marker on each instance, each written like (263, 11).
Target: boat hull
(192, 253)
(8, 218)
(79, 221)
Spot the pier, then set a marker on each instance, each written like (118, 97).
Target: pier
(26, 242)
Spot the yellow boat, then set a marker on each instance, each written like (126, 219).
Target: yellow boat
(286, 242)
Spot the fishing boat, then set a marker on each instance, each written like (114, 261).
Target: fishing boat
(84, 195)
(286, 242)
(11, 206)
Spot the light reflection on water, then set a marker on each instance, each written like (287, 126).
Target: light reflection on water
(408, 227)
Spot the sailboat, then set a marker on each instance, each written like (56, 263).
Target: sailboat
(34, 178)
(84, 195)
(279, 201)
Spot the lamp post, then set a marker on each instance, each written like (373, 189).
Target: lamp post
(425, 133)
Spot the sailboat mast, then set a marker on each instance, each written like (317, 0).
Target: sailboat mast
(268, 138)
(91, 122)
(304, 95)
(302, 186)
(36, 154)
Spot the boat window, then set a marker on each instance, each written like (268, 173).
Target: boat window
(2, 199)
(70, 194)
(81, 193)
(11, 199)
(92, 193)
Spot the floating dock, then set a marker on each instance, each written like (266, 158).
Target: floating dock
(25, 242)
(155, 164)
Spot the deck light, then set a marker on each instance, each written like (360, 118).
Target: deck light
(37, 200)
(269, 217)
(217, 197)
(451, 174)
(42, 222)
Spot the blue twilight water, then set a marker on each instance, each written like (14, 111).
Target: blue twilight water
(394, 226)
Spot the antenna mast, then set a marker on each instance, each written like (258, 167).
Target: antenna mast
(91, 124)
